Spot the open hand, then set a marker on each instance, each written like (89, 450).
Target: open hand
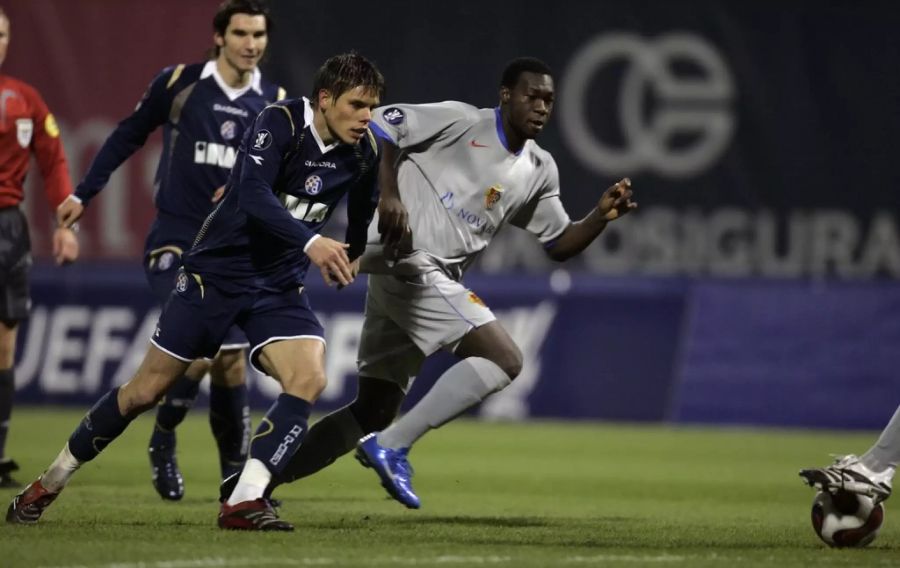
(616, 200)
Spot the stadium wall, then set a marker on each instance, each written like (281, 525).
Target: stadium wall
(790, 353)
(757, 284)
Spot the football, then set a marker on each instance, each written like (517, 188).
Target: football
(845, 519)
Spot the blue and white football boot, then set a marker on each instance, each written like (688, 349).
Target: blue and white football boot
(391, 466)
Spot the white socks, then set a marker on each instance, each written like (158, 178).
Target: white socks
(252, 484)
(60, 471)
(885, 453)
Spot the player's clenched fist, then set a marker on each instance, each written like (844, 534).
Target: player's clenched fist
(68, 212)
(331, 258)
(616, 200)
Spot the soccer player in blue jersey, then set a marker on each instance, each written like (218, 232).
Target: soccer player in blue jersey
(452, 175)
(246, 267)
(204, 110)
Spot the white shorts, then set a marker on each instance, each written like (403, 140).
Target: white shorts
(410, 317)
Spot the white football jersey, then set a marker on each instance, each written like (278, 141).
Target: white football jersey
(460, 185)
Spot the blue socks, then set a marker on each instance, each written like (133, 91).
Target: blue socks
(229, 419)
(279, 434)
(101, 425)
(171, 412)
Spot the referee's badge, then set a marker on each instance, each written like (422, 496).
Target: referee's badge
(181, 282)
(24, 130)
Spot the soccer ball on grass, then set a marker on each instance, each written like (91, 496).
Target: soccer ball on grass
(845, 519)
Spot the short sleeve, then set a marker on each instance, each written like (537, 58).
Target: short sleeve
(410, 125)
(544, 215)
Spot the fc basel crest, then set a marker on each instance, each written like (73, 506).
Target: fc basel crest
(492, 195)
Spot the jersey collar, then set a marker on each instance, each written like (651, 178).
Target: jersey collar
(308, 119)
(501, 134)
(232, 93)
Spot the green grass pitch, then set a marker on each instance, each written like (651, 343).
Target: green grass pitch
(508, 494)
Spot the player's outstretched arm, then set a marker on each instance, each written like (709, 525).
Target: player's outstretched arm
(614, 203)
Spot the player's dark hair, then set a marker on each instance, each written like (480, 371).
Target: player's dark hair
(347, 71)
(516, 67)
(229, 8)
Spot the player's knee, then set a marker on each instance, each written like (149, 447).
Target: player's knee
(7, 345)
(510, 361)
(137, 397)
(305, 384)
(229, 369)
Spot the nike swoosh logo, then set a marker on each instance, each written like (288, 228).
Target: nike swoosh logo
(475, 144)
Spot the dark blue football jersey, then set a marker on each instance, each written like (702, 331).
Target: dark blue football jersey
(203, 122)
(284, 186)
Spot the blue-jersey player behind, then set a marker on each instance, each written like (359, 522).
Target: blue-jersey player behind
(247, 267)
(203, 110)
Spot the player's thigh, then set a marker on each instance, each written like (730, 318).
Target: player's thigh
(195, 319)
(435, 311)
(287, 341)
(386, 353)
(156, 373)
(298, 364)
(229, 368)
(492, 342)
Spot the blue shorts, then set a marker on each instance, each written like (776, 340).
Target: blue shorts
(161, 266)
(197, 317)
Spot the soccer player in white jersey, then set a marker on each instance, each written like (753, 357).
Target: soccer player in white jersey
(870, 474)
(451, 176)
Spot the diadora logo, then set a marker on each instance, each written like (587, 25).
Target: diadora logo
(322, 164)
(262, 140)
(492, 195)
(285, 445)
(230, 110)
(393, 116)
(674, 104)
(214, 154)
